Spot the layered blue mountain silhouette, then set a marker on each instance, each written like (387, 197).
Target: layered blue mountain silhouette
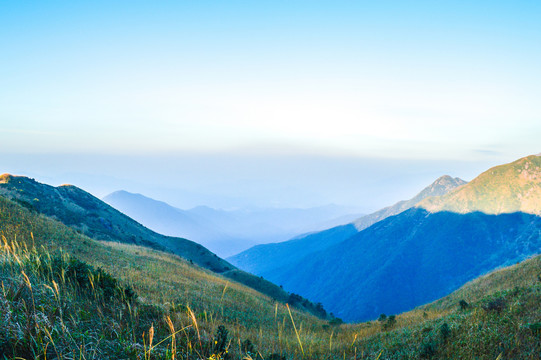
(226, 232)
(419, 254)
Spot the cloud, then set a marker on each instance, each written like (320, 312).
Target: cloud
(488, 152)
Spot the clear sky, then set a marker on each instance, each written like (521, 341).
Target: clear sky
(422, 81)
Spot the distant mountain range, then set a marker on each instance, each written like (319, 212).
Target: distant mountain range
(227, 232)
(419, 254)
(270, 260)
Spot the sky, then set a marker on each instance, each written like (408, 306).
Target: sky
(267, 103)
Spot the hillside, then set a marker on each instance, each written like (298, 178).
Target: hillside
(418, 256)
(269, 260)
(502, 189)
(492, 317)
(410, 259)
(91, 216)
(227, 232)
(154, 285)
(521, 275)
(160, 306)
(168, 220)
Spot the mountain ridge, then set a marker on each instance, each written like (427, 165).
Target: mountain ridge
(227, 232)
(489, 307)
(440, 186)
(399, 249)
(268, 260)
(88, 215)
(412, 258)
(94, 218)
(395, 264)
(506, 188)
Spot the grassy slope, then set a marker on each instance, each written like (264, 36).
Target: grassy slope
(91, 216)
(165, 280)
(94, 218)
(90, 327)
(523, 275)
(501, 320)
(506, 188)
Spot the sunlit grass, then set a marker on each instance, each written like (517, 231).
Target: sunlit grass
(180, 308)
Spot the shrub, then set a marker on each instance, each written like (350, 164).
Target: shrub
(496, 305)
(428, 350)
(248, 347)
(445, 332)
(294, 299)
(86, 277)
(336, 321)
(391, 321)
(220, 340)
(276, 357)
(535, 328)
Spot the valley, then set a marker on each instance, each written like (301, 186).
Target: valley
(421, 277)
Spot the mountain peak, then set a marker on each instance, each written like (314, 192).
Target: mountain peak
(6, 178)
(446, 179)
(439, 187)
(506, 188)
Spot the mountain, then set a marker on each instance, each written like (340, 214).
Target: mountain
(227, 232)
(94, 218)
(168, 220)
(411, 259)
(418, 255)
(269, 260)
(66, 295)
(92, 297)
(502, 189)
(439, 187)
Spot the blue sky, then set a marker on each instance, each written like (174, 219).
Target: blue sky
(410, 80)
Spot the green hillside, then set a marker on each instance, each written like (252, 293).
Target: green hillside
(522, 275)
(513, 187)
(497, 316)
(44, 272)
(65, 295)
(94, 218)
